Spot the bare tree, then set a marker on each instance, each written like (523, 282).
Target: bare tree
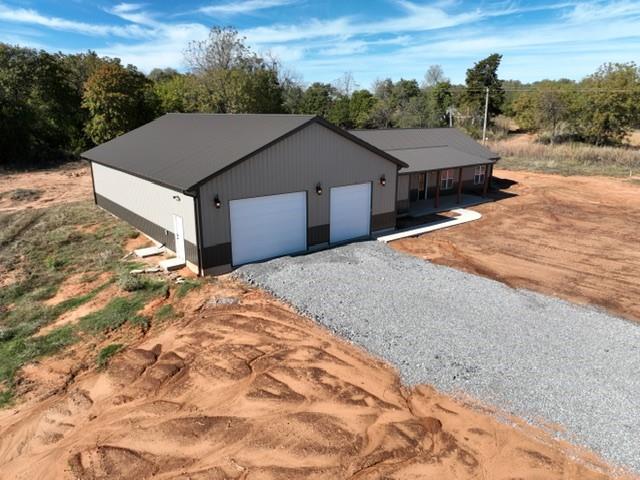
(224, 49)
(346, 84)
(434, 75)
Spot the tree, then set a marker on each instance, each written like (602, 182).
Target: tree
(233, 79)
(609, 106)
(439, 100)
(483, 75)
(434, 76)
(162, 74)
(361, 105)
(118, 99)
(340, 112)
(318, 99)
(346, 84)
(546, 108)
(37, 106)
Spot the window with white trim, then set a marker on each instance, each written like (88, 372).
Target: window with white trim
(478, 176)
(446, 180)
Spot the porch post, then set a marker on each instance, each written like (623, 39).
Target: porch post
(487, 176)
(459, 185)
(437, 203)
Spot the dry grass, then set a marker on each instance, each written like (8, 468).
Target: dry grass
(567, 158)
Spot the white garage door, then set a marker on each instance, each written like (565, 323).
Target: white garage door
(350, 212)
(267, 227)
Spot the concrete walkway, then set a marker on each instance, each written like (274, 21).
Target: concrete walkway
(464, 216)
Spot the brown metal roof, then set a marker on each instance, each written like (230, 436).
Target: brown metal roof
(429, 148)
(182, 150)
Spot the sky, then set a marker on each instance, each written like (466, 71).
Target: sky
(320, 40)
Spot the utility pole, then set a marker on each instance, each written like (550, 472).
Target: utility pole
(486, 114)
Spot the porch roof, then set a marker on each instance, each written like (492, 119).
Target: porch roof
(436, 158)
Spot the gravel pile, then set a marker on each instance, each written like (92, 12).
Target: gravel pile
(532, 355)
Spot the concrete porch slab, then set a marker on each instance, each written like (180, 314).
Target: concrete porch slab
(427, 207)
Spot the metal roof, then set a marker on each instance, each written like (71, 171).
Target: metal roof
(429, 148)
(182, 150)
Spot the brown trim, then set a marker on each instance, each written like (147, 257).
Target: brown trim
(93, 183)
(438, 178)
(459, 199)
(485, 187)
(216, 255)
(402, 206)
(317, 235)
(383, 221)
(158, 233)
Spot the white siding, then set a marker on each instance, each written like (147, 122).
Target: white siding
(152, 202)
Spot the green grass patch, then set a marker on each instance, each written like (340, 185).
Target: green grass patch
(115, 314)
(104, 356)
(166, 312)
(186, 287)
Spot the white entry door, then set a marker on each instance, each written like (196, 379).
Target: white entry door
(178, 230)
(350, 214)
(268, 227)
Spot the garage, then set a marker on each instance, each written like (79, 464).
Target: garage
(267, 227)
(350, 212)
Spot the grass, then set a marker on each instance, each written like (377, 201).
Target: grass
(166, 312)
(104, 356)
(186, 287)
(568, 158)
(46, 246)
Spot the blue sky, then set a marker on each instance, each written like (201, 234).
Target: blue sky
(320, 40)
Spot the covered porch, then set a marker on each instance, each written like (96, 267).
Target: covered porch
(434, 191)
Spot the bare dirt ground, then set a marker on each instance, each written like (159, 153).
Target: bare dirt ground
(243, 388)
(42, 188)
(572, 237)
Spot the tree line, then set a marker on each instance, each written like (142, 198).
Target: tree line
(54, 106)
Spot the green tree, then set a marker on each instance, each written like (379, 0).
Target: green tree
(37, 106)
(233, 79)
(609, 104)
(318, 99)
(118, 99)
(439, 100)
(361, 105)
(340, 112)
(483, 75)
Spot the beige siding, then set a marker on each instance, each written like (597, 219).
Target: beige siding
(297, 163)
(403, 187)
(146, 199)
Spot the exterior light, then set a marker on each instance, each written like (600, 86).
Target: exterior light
(216, 202)
(319, 188)
(383, 180)
(176, 198)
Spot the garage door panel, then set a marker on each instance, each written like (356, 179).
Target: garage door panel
(350, 212)
(267, 227)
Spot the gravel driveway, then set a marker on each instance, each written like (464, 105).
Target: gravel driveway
(532, 355)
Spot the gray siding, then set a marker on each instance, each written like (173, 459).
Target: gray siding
(297, 163)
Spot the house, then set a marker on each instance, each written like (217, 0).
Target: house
(223, 190)
(442, 162)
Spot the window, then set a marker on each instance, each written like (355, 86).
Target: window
(478, 176)
(446, 180)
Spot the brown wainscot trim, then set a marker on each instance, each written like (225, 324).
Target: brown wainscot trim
(216, 256)
(158, 233)
(402, 206)
(317, 235)
(383, 221)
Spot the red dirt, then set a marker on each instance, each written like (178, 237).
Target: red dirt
(71, 183)
(572, 237)
(250, 390)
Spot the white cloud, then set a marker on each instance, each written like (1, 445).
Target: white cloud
(32, 17)
(132, 12)
(242, 7)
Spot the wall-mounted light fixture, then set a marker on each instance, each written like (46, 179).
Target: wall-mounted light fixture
(176, 198)
(383, 180)
(217, 202)
(319, 188)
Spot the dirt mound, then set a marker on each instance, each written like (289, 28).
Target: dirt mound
(250, 390)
